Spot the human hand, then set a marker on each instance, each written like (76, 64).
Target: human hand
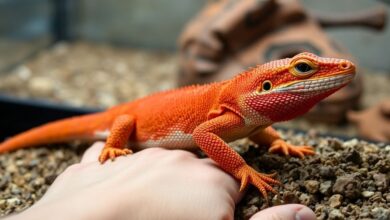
(151, 184)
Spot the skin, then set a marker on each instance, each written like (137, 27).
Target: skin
(210, 116)
(201, 190)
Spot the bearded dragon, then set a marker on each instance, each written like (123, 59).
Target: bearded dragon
(209, 116)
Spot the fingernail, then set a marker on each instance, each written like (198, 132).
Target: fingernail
(305, 214)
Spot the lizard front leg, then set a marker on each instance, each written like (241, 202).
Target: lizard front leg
(207, 136)
(270, 137)
(120, 132)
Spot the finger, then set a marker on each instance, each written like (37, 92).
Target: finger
(286, 212)
(92, 153)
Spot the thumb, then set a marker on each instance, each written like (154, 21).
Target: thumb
(285, 212)
(92, 153)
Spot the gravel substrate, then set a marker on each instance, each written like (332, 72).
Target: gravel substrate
(83, 74)
(26, 174)
(344, 180)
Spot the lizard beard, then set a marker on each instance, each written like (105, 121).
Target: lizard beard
(285, 106)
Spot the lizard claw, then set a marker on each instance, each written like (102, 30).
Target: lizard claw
(111, 153)
(289, 149)
(262, 181)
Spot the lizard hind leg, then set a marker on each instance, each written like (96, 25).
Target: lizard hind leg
(120, 132)
(269, 136)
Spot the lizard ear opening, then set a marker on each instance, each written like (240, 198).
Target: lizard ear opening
(265, 86)
(303, 68)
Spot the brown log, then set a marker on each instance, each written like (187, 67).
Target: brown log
(374, 18)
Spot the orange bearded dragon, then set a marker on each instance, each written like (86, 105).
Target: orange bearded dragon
(209, 116)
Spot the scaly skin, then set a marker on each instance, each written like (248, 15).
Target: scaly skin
(210, 116)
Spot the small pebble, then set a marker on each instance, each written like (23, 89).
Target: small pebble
(367, 194)
(4, 180)
(335, 214)
(335, 200)
(383, 166)
(336, 144)
(377, 197)
(351, 143)
(327, 172)
(348, 186)
(41, 86)
(251, 210)
(305, 199)
(13, 202)
(254, 200)
(290, 197)
(381, 213)
(320, 212)
(3, 203)
(312, 186)
(326, 187)
(388, 197)
(381, 180)
(354, 157)
(38, 182)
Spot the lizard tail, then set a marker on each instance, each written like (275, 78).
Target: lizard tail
(80, 127)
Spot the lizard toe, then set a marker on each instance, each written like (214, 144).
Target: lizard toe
(280, 146)
(247, 174)
(112, 153)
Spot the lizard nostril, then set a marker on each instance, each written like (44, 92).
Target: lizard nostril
(345, 65)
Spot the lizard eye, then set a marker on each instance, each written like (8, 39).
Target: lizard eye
(267, 85)
(303, 68)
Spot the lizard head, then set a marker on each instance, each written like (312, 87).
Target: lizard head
(283, 89)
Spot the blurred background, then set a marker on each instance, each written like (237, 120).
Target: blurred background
(95, 53)
(27, 26)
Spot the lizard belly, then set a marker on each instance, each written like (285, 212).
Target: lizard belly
(179, 139)
(174, 140)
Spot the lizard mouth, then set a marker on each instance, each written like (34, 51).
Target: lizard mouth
(319, 85)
